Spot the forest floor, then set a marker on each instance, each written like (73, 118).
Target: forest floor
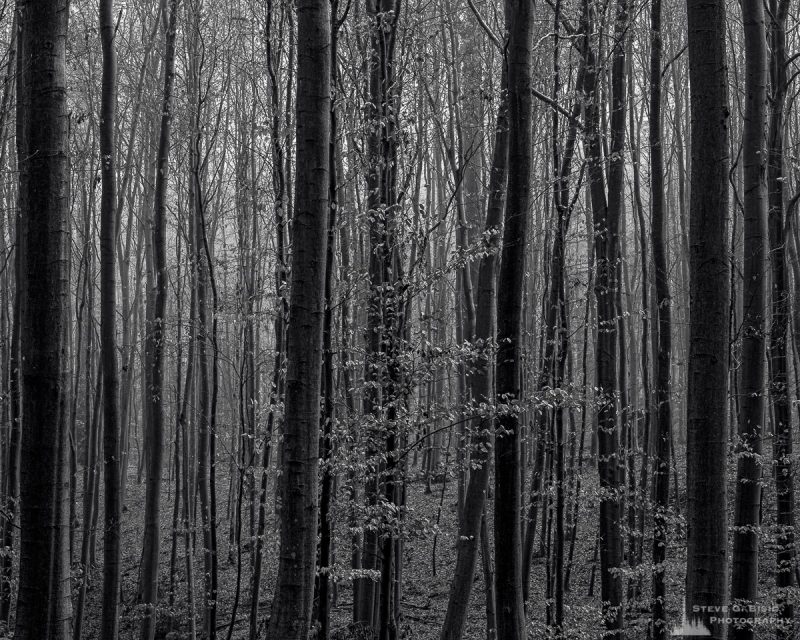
(427, 571)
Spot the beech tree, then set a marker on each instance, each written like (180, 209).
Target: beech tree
(778, 338)
(292, 604)
(744, 567)
(43, 608)
(156, 309)
(663, 415)
(112, 468)
(709, 269)
(507, 461)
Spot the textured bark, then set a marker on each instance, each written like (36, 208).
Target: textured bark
(294, 588)
(709, 273)
(44, 610)
(744, 568)
(507, 463)
(155, 337)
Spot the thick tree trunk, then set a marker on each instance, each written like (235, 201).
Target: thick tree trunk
(294, 588)
(510, 333)
(709, 273)
(744, 568)
(44, 610)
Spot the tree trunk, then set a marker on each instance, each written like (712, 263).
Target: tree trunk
(109, 624)
(155, 338)
(44, 610)
(203, 334)
(294, 589)
(778, 346)
(709, 272)
(482, 387)
(744, 569)
(326, 443)
(384, 320)
(510, 333)
(606, 218)
(663, 415)
(276, 390)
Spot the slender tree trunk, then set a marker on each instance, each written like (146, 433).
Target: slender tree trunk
(90, 472)
(778, 346)
(384, 318)
(744, 568)
(112, 495)
(482, 387)
(326, 443)
(12, 455)
(663, 415)
(202, 267)
(606, 217)
(155, 338)
(276, 391)
(709, 272)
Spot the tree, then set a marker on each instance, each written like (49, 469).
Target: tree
(607, 209)
(709, 273)
(156, 302)
(44, 610)
(744, 569)
(507, 462)
(663, 416)
(112, 467)
(778, 338)
(384, 397)
(482, 387)
(294, 589)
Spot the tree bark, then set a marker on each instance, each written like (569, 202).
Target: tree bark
(744, 568)
(155, 338)
(778, 345)
(663, 414)
(294, 589)
(709, 272)
(510, 332)
(44, 610)
(112, 469)
(606, 219)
